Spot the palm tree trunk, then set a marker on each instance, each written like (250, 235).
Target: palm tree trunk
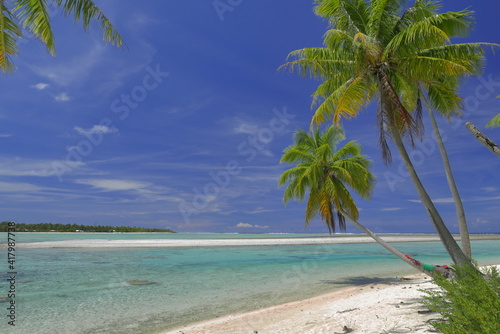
(483, 139)
(458, 257)
(384, 244)
(459, 208)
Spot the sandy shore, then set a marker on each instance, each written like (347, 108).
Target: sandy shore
(152, 243)
(369, 309)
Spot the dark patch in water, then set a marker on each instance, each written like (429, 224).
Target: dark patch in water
(141, 282)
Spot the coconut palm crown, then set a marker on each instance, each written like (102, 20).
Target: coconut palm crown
(378, 49)
(33, 16)
(326, 173)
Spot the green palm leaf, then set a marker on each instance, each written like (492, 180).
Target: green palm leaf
(325, 174)
(87, 11)
(9, 33)
(34, 16)
(495, 122)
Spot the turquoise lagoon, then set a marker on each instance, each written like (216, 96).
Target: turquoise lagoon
(89, 290)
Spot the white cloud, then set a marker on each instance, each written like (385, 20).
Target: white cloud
(246, 225)
(40, 86)
(15, 166)
(391, 209)
(481, 199)
(437, 200)
(479, 221)
(113, 185)
(488, 189)
(63, 97)
(5, 135)
(17, 187)
(246, 128)
(95, 129)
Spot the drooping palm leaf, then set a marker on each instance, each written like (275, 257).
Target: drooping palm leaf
(9, 33)
(33, 15)
(87, 11)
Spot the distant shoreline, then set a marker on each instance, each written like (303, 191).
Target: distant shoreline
(236, 242)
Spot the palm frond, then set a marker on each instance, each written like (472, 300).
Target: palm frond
(398, 116)
(87, 11)
(454, 24)
(34, 16)
(350, 15)
(350, 149)
(333, 135)
(312, 207)
(336, 39)
(418, 36)
(419, 11)
(495, 122)
(318, 62)
(296, 154)
(443, 96)
(426, 68)
(346, 101)
(383, 17)
(470, 56)
(9, 34)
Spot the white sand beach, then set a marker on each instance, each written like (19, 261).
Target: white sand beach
(158, 243)
(368, 309)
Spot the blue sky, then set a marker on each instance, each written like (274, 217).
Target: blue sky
(185, 127)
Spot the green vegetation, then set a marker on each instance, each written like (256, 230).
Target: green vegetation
(34, 18)
(49, 227)
(326, 173)
(401, 57)
(470, 303)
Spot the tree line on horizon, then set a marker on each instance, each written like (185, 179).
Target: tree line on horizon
(49, 227)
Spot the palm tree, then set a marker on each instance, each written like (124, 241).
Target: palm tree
(33, 15)
(375, 49)
(326, 174)
(459, 207)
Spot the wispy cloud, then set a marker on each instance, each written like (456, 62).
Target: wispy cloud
(450, 200)
(246, 128)
(5, 135)
(16, 166)
(40, 86)
(437, 200)
(481, 199)
(63, 97)
(17, 187)
(488, 189)
(95, 129)
(113, 185)
(391, 209)
(246, 225)
(78, 68)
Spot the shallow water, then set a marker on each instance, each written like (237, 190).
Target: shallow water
(90, 291)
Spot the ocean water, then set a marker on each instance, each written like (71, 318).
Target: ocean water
(76, 291)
